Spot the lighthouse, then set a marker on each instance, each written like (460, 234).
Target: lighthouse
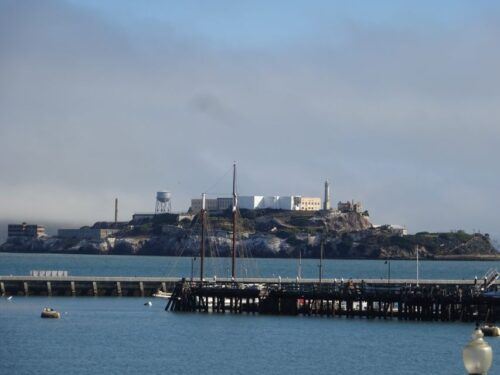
(326, 202)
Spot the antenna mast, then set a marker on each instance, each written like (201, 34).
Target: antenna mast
(233, 252)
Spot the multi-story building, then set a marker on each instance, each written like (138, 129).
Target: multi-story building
(350, 207)
(255, 202)
(224, 203)
(210, 204)
(25, 230)
(310, 204)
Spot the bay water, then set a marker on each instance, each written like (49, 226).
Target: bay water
(111, 335)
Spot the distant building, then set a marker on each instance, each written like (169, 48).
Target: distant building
(210, 204)
(224, 203)
(255, 202)
(309, 204)
(142, 217)
(25, 230)
(398, 230)
(350, 207)
(91, 234)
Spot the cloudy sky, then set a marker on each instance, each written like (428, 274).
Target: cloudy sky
(396, 103)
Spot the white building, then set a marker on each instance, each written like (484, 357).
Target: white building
(259, 202)
(277, 202)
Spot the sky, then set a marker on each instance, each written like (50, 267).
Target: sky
(397, 103)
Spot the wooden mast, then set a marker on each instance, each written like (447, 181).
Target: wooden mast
(202, 244)
(233, 250)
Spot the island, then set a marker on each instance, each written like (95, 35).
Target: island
(267, 233)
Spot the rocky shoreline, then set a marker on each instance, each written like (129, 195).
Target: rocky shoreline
(275, 234)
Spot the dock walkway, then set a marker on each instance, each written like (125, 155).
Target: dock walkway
(137, 286)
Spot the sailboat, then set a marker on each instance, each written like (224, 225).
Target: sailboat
(203, 231)
(216, 295)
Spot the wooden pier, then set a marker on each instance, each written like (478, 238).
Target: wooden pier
(431, 300)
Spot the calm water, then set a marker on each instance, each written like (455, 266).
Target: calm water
(101, 265)
(122, 336)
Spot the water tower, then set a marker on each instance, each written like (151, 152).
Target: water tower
(163, 202)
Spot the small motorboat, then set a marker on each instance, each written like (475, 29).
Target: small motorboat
(149, 303)
(47, 312)
(490, 330)
(162, 294)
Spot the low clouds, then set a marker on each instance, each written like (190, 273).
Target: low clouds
(403, 118)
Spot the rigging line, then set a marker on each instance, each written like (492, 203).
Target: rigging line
(212, 249)
(178, 257)
(246, 251)
(218, 180)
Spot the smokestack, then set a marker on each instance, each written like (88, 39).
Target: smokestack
(116, 210)
(326, 202)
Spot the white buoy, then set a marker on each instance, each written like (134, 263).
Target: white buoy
(149, 303)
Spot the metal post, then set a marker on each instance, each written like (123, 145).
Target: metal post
(417, 268)
(299, 270)
(321, 262)
(116, 210)
(388, 262)
(233, 252)
(192, 267)
(202, 245)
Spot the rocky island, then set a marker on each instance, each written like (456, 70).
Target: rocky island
(266, 233)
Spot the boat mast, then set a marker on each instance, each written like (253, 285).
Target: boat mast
(233, 251)
(202, 244)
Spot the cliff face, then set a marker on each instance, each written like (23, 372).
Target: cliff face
(273, 234)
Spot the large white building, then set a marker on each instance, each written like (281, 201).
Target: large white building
(256, 202)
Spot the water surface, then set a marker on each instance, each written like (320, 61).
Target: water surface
(122, 336)
(113, 265)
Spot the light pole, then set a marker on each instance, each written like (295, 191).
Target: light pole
(193, 259)
(388, 262)
(477, 354)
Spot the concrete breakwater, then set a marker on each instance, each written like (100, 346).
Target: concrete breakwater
(84, 286)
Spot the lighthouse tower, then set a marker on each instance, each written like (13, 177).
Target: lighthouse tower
(326, 202)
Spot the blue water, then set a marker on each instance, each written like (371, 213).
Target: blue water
(122, 336)
(104, 265)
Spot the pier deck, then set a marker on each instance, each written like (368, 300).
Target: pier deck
(145, 286)
(443, 300)
(431, 300)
